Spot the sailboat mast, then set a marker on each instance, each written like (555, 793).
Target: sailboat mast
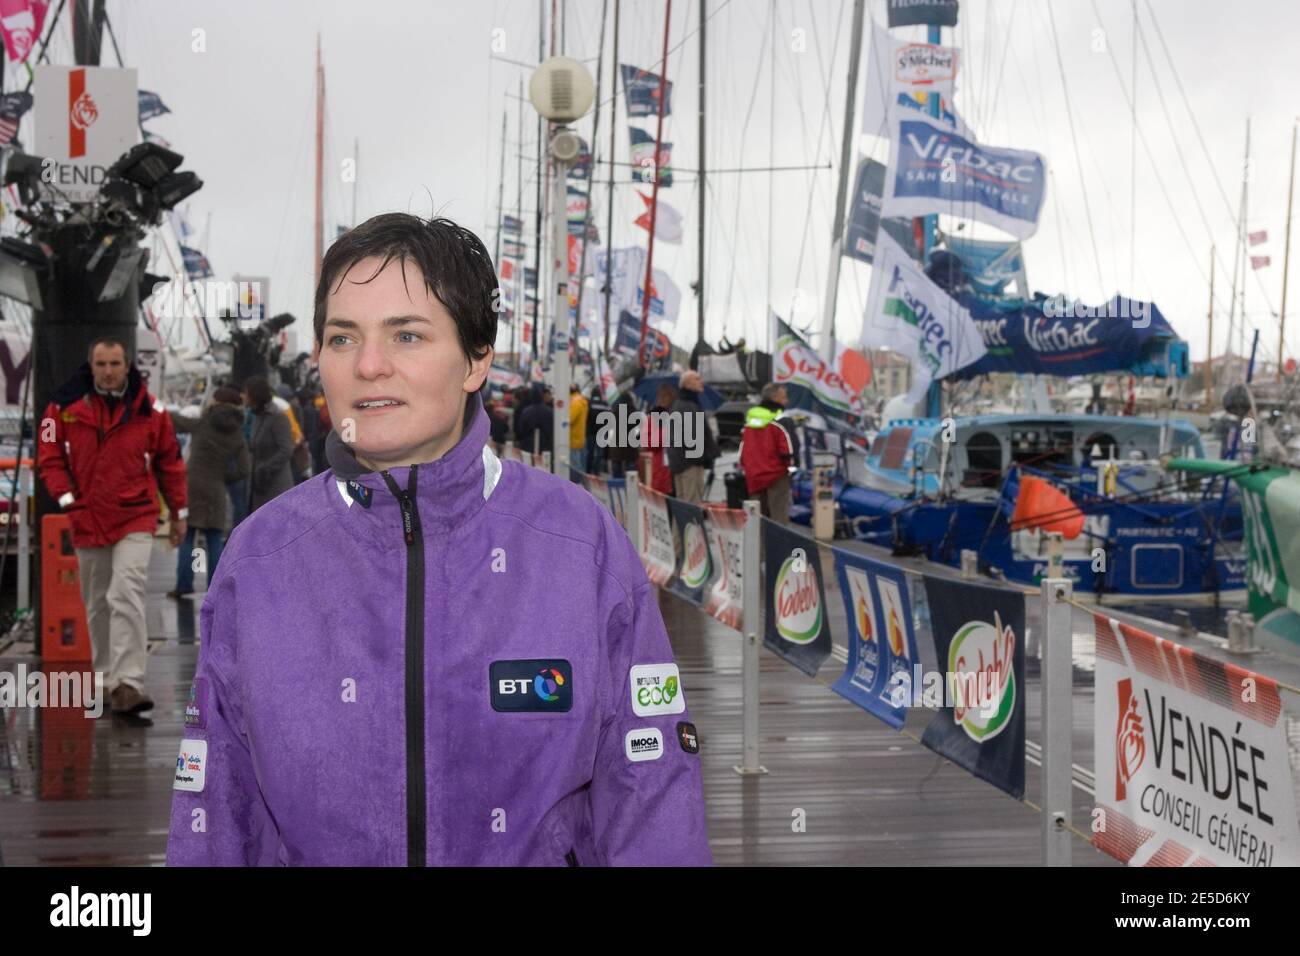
(1236, 248)
(537, 237)
(699, 189)
(501, 192)
(318, 229)
(654, 192)
(1209, 354)
(609, 202)
(1286, 258)
(521, 287)
(841, 192)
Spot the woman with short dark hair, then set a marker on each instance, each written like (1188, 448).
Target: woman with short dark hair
(425, 655)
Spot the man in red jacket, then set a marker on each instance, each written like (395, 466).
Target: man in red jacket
(103, 448)
(767, 451)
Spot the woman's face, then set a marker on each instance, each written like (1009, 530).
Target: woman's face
(391, 366)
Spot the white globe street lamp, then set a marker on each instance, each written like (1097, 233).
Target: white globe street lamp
(562, 91)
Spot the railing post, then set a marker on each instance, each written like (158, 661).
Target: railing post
(751, 638)
(1058, 719)
(24, 479)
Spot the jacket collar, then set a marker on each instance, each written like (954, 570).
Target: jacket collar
(449, 491)
(82, 385)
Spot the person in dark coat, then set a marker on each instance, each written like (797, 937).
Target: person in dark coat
(525, 395)
(537, 426)
(218, 458)
(688, 472)
(597, 407)
(618, 455)
(271, 444)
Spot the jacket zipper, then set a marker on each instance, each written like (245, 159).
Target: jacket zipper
(416, 815)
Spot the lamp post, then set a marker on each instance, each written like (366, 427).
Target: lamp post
(561, 90)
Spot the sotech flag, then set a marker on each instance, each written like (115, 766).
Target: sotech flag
(908, 313)
(882, 641)
(796, 626)
(1259, 262)
(864, 218)
(1258, 238)
(979, 644)
(1191, 757)
(934, 13)
(642, 90)
(643, 158)
(933, 170)
(12, 108)
(694, 565)
(668, 221)
(151, 105)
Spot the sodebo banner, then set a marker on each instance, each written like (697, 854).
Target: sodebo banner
(1192, 765)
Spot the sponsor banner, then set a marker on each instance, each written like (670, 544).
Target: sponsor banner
(882, 642)
(934, 13)
(796, 624)
(903, 78)
(838, 385)
(864, 218)
(693, 570)
(503, 377)
(611, 492)
(908, 313)
(934, 170)
(1191, 755)
(726, 600)
(1056, 337)
(657, 552)
(86, 118)
(642, 157)
(979, 642)
(641, 87)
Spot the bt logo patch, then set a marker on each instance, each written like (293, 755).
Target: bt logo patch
(540, 685)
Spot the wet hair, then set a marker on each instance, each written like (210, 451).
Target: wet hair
(109, 340)
(455, 265)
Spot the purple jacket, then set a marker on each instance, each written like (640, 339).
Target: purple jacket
(476, 673)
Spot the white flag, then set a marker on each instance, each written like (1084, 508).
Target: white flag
(908, 313)
(902, 76)
(668, 221)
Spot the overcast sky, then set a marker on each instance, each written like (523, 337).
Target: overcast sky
(414, 84)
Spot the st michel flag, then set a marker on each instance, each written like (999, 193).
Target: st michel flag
(86, 118)
(934, 170)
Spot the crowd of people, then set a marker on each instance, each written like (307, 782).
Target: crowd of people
(106, 449)
(254, 441)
